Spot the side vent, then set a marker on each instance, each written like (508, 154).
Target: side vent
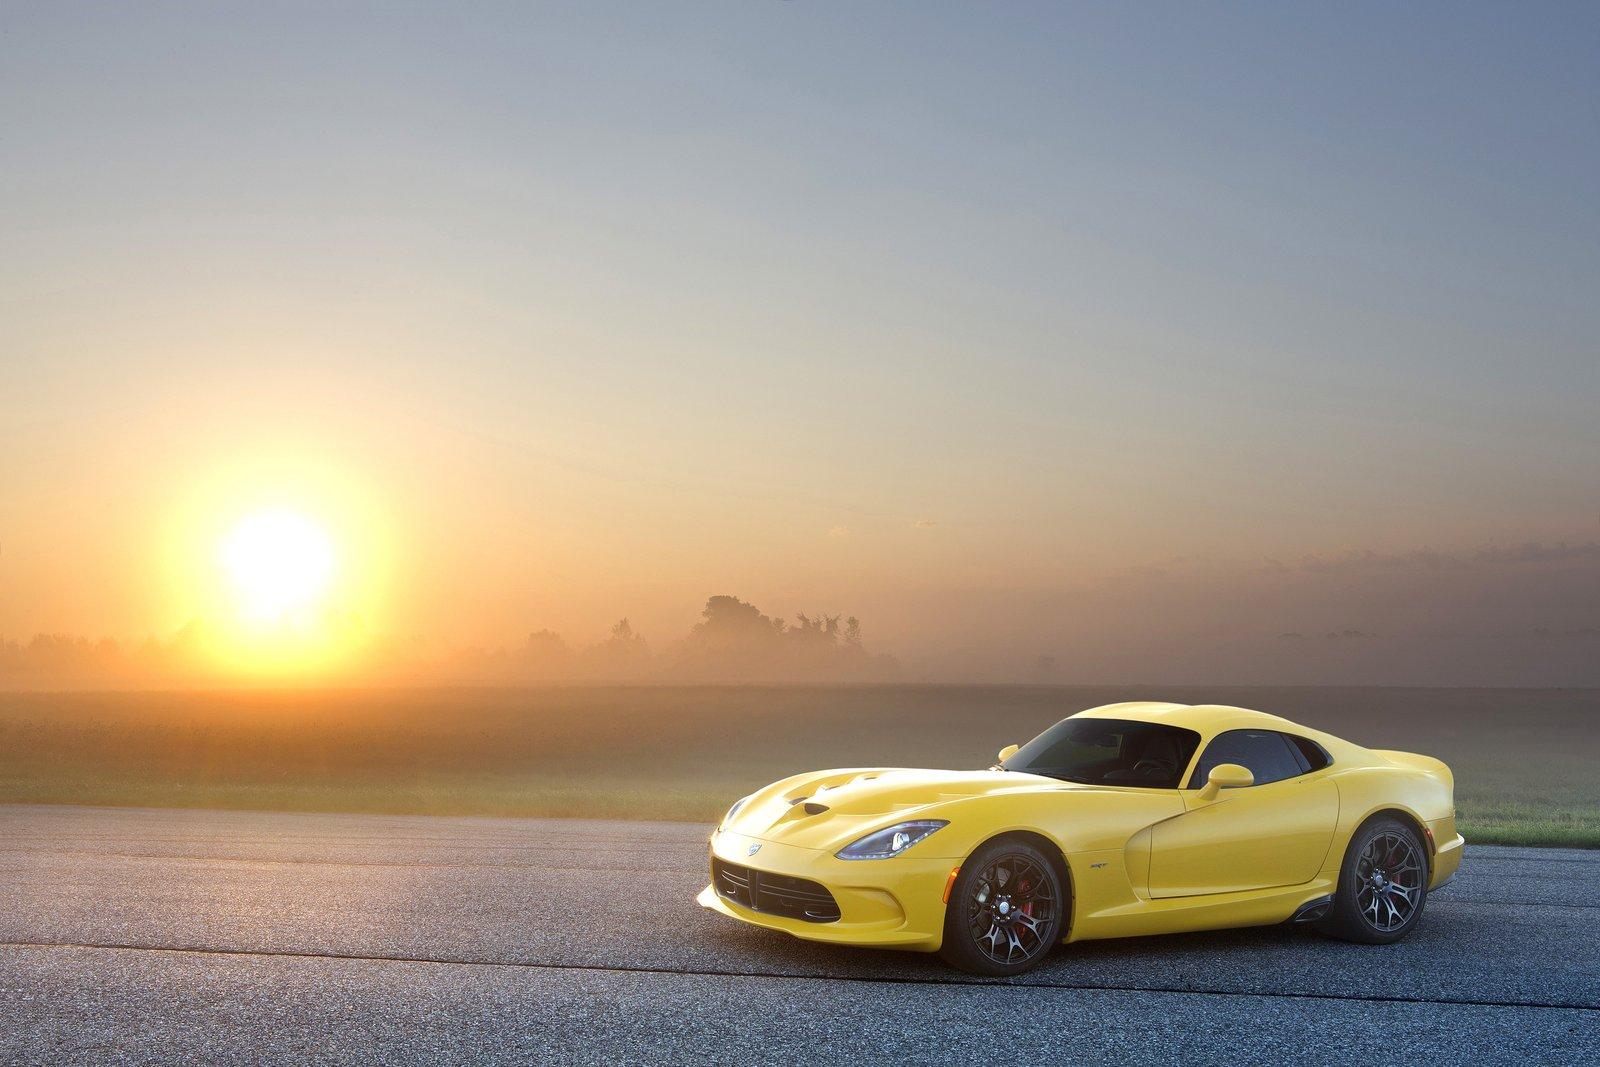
(1313, 910)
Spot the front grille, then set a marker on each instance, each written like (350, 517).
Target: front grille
(775, 894)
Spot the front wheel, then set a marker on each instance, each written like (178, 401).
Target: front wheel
(1382, 885)
(1005, 910)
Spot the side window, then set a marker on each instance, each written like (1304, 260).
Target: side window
(1313, 755)
(1266, 753)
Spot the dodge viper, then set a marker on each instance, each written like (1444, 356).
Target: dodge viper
(1128, 819)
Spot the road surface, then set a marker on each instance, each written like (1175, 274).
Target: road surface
(137, 936)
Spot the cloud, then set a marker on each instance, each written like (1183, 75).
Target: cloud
(924, 524)
(1366, 559)
(1547, 632)
(1429, 559)
(1331, 635)
(1536, 552)
(839, 531)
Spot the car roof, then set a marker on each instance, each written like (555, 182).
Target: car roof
(1202, 718)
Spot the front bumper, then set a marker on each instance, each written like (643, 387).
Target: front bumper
(893, 903)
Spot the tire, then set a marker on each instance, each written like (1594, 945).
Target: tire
(1383, 884)
(1006, 910)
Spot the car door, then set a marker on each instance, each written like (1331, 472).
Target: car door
(1273, 833)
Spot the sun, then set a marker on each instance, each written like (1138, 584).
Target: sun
(280, 565)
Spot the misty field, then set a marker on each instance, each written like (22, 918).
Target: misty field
(1527, 762)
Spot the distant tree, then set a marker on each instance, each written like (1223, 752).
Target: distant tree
(727, 621)
(623, 653)
(821, 632)
(546, 644)
(852, 632)
(734, 640)
(624, 639)
(544, 654)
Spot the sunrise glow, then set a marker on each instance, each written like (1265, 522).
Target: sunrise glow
(280, 565)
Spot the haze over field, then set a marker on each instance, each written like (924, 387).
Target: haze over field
(1170, 344)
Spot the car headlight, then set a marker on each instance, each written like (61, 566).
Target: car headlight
(738, 806)
(891, 841)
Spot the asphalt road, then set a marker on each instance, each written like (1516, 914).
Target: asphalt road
(135, 936)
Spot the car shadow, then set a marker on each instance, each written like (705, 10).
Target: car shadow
(1241, 960)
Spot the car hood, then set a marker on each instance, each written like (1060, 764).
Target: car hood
(829, 809)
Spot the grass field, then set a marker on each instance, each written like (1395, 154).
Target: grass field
(1527, 762)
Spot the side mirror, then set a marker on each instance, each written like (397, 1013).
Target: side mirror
(1007, 752)
(1226, 776)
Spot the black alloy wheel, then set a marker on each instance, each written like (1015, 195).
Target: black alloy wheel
(1389, 876)
(1005, 910)
(1383, 884)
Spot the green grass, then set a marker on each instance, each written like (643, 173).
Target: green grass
(438, 794)
(1527, 762)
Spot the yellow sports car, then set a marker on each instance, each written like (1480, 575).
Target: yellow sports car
(1130, 819)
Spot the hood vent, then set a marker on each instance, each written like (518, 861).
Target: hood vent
(813, 808)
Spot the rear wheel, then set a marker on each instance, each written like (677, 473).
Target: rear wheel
(1383, 884)
(1005, 910)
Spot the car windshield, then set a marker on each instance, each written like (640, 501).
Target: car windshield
(1109, 752)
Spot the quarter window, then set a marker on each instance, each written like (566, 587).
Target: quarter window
(1313, 755)
(1265, 753)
